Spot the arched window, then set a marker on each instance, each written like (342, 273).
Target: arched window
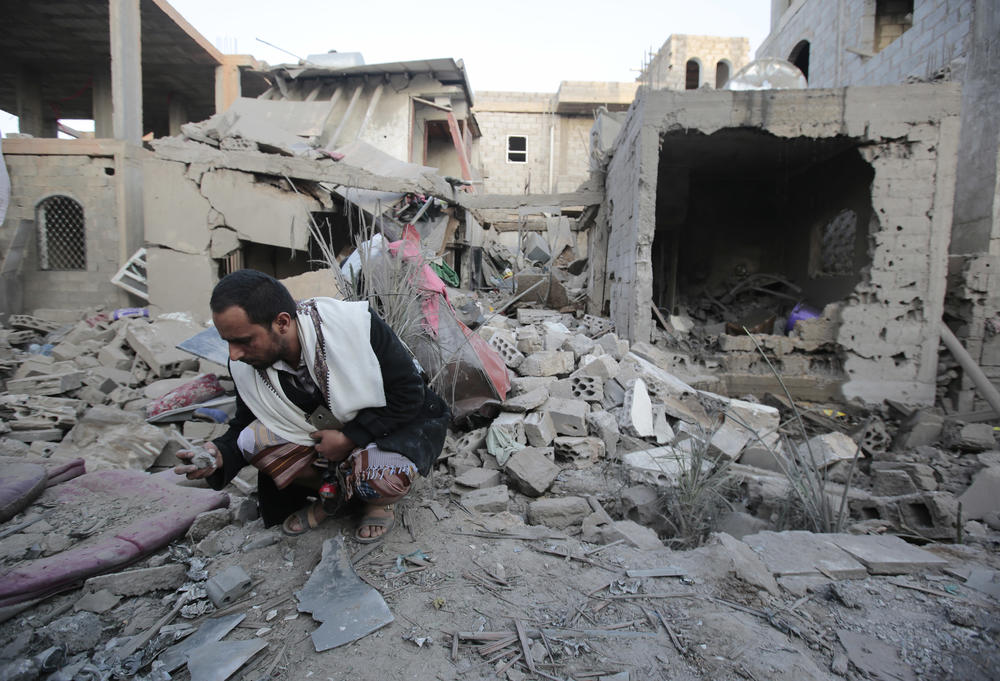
(61, 237)
(800, 57)
(692, 77)
(721, 74)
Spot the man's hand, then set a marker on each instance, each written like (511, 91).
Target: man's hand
(193, 472)
(332, 444)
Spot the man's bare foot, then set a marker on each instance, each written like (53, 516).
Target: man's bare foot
(368, 530)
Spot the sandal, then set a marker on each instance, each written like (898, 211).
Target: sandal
(375, 521)
(307, 520)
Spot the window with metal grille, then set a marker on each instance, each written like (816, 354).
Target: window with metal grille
(61, 238)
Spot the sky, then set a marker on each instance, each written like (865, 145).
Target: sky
(520, 45)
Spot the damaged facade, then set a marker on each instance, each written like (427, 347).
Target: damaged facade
(76, 204)
(886, 42)
(844, 194)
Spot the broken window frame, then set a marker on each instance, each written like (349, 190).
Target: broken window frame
(61, 247)
(517, 152)
(884, 19)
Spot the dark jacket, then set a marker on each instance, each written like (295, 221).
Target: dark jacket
(413, 422)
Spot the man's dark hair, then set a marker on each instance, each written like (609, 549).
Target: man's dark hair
(260, 295)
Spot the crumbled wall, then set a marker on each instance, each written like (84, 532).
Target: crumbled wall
(909, 136)
(85, 179)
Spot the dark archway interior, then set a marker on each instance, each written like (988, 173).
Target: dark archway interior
(692, 75)
(742, 205)
(800, 57)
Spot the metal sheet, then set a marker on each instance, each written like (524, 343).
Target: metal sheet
(211, 631)
(220, 660)
(347, 607)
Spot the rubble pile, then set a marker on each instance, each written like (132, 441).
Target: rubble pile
(591, 464)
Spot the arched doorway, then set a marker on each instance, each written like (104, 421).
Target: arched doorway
(692, 75)
(800, 57)
(721, 74)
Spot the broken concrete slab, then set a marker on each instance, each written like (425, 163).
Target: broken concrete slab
(886, 554)
(659, 466)
(532, 470)
(801, 553)
(335, 596)
(156, 344)
(744, 563)
(137, 582)
(636, 415)
(486, 500)
(526, 401)
(478, 478)
(827, 449)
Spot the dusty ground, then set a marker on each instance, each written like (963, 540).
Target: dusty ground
(597, 621)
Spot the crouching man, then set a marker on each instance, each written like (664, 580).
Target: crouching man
(322, 385)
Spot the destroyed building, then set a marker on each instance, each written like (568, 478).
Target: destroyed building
(845, 194)
(886, 42)
(76, 205)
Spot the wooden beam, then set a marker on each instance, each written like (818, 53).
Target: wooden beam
(456, 139)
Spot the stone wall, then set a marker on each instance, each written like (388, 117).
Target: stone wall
(842, 44)
(96, 181)
(668, 69)
(909, 137)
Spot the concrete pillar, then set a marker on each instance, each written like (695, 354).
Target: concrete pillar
(102, 108)
(227, 82)
(177, 114)
(32, 117)
(126, 69)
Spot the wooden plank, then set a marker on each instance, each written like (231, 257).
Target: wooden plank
(456, 139)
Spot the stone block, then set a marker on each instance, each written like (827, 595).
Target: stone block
(558, 513)
(766, 459)
(547, 363)
(505, 344)
(975, 437)
(478, 478)
(983, 495)
(529, 340)
(602, 366)
(227, 586)
(605, 426)
(137, 582)
(582, 451)
(828, 449)
(526, 401)
(532, 470)
(636, 417)
(614, 346)
(487, 499)
(579, 345)
(525, 384)
(539, 429)
(114, 357)
(206, 523)
(923, 428)
(568, 416)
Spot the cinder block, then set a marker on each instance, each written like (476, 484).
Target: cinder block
(558, 513)
(539, 429)
(532, 470)
(547, 363)
(582, 451)
(568, 416)
(487, 500)
(505, 344)
(228, 585)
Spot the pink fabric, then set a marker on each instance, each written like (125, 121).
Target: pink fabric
(196, 391)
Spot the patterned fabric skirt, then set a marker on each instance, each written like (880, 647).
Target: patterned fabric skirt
(371, 473)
